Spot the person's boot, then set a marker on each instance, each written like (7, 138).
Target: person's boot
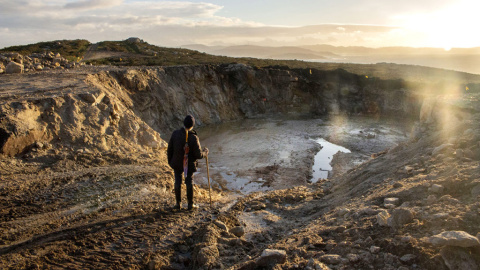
(178, 198)
(191, 205)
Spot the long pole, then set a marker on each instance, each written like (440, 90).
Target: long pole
(209, 189)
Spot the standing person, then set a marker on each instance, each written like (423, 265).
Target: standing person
(184, 140)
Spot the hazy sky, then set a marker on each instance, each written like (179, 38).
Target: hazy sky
(373, 23)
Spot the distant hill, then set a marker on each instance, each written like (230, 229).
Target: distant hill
(136, 52)
(289, 52)
(359, 50)
(202, 48)
(326, 50)
(459, 59)
(297, 56)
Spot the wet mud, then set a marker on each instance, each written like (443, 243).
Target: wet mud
(267, 154)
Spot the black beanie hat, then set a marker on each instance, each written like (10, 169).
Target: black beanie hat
(189, 121)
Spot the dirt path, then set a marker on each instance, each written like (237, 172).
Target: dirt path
(93, 53)
(105, 217)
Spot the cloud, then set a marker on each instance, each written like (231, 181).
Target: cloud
(169, 23)
(92, 4)
(20, 7)
(267, 35)
(24, 15)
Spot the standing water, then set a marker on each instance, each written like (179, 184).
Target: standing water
(321, 165)
(263, 154)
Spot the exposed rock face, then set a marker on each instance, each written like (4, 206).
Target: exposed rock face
(229, 92)
(136, 105)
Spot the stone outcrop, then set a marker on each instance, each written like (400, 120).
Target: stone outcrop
(17, 63)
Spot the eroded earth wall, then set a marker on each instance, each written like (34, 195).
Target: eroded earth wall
(125, 109)
(213, 94)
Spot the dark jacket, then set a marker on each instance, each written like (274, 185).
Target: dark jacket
(175, 150)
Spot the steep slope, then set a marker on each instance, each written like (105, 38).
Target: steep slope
(412, 207)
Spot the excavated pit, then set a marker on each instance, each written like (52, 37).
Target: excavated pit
(266, 154)
(85, 181)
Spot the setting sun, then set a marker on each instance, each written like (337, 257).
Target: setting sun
(446, 28)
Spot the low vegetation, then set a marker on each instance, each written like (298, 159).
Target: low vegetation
(69, 49)
(136, 52)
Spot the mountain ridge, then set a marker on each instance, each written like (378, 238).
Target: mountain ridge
(136, 52)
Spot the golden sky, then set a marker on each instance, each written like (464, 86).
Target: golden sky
(372, 23)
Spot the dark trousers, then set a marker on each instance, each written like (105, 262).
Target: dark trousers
(179, 176)
(178, 186)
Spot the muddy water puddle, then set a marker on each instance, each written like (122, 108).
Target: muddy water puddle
(264, 154)
(322, 160)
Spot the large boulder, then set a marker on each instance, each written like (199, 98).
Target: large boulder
(13, 67)
(454, 238)
(134, 40)
(12, 143)
(238, 231)
(400, 217)
(271, 257)
(382, 218)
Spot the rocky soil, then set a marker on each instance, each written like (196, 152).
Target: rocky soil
(85, 183)
(11, 63)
